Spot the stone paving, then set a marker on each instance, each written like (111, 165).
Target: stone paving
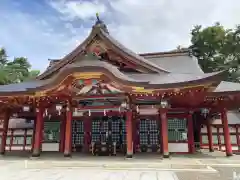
(118, 168)
(84, 174)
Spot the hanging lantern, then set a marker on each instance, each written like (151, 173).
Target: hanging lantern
(89, 112)
(46, 112)
(26, 108)
(125, 105)
(104, 112)
(59, 108)
(164, 103)
(204, 112)
(137, 109)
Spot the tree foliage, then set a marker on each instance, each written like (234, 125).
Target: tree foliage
(16, 70)
(217, 48)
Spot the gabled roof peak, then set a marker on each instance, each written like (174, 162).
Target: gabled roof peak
(99, 24)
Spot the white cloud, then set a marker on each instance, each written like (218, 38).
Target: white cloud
(155, 25)
(78, 9)
(141, 25)
(37, 39)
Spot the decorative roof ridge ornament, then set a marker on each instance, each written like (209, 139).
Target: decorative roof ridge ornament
(100, 24)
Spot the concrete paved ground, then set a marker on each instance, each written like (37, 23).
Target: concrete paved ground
(197, 167)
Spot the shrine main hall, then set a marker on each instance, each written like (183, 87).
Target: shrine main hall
(104, 99)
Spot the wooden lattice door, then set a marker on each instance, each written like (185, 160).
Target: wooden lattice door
(149, 135)
(77, 135)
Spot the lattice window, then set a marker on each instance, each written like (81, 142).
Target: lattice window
(154, 138)
(95, 137)
(177, 129)
(233, 139)
(115, 126)
(143, 138)
(148, 132)
(29, 140)
(18, 140)
(115, 137)
(153, 126)
(176, 135)
(51, 131)
(79, 126)
(77, 132)
(204, 139)
(96, 126)
(79, 138)
(143, 127)
(104, 126)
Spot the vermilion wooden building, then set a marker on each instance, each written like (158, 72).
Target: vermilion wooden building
(103, 99)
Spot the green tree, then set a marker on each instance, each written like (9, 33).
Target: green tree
(217, 48)
(15, 71)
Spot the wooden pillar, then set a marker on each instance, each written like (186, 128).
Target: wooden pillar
(134, 131)
(33, 135)
(62, 132)
(87, 123)
(210, 135)
(237, 136)
(227, 140)
(129, 116)
(68, 133)
(38, 132)
(191, 145)
(6, 117)
(164, 131)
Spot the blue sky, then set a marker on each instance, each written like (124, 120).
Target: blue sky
(43, 29)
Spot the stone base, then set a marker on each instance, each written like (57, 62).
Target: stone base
(166, 155)
(211, 150)
(2, 153)
(67, 155)
(36, 155)
(129, 156)
(229, 154)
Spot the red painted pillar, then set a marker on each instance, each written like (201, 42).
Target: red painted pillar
(68, 133)
(33, 135)
(227, 140)
(38, 132)
(134, 131)
(62, 133)
(87, 123)
(210, 136)
(237, 136)
(129, 116)
(191, 146)
(164, 131)
(5, 131)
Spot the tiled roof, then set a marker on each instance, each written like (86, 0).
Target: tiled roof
(225, 86)
(163, 80)
(177, 64)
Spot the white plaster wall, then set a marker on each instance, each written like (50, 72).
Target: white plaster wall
(178, 147)
(50, 146)
(234, 148)
(148, 111)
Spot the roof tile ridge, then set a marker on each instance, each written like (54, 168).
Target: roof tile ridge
(146, 61)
